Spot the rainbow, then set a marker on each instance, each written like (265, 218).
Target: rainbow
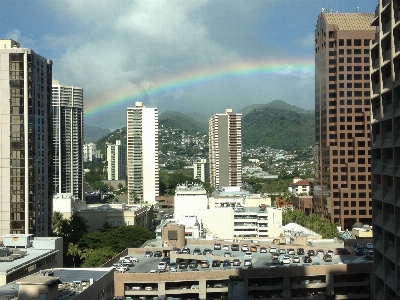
(128, 95)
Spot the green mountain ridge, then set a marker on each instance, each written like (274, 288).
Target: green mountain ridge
(276, 124)
(277, 128)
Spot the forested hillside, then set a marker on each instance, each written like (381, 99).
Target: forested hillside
(277, 128)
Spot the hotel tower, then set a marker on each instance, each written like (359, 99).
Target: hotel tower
(225, 149)
(26, 165)
(142, 154)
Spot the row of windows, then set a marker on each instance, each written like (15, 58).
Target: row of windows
(349, 52)
(350, 102)
(353, 212)
(349, 94)
(349, 152)
(350, 69)
(349, 60)
(360, 161)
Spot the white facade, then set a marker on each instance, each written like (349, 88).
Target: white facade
(26, 141)
(89, 152)
(142, 153)
(300, 187)
(201, 170)
(116, 161)
(67, 106)
(189, 199)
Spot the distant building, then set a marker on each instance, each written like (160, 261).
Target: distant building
(342, 191)
(201, 170)
(225, 149)
(300, 187)
(90, 153)
(67, 106)
(26, 165)
(116, 161)
(142, 153)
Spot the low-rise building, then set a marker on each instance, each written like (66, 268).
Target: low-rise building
(24, 254)
(300, 186)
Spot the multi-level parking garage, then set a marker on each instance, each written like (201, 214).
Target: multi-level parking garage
(347, 276)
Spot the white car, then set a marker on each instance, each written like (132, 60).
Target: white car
(296, 259)
(162, 266)
(225, 247)
(369, 246)
(272, 249)
(285, 259)
(247, 262)
(245, 247)
(248, 255)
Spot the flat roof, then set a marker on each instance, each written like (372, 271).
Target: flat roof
(31, 255)
(80, 274)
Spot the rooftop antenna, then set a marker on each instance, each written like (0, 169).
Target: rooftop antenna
(358, 9)
(322, 9)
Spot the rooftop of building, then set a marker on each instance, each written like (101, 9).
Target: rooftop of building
(71, 281)
(350, 21)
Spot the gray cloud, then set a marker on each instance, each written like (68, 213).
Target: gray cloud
(136, 44)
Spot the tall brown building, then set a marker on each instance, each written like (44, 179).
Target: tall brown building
(342, 190)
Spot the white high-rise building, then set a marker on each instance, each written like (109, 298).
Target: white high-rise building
(225, 154)
(68, 139)
(142, 153)
(116, 161)
(201, 170)
(26, 165)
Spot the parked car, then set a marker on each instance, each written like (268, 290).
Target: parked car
(183, 265)
(330, 252)
(248, 255)
(173, 267)
(282, 251)
(217, 246)
(296, 259)
(310, 252)
(327, 258)
(167, 260)
(291, 251)
(185, 251)
(162, 266)
(218, 285)
(204, 264)
(227, 254)
(197, 251)
(360, 251)
(369, 246)
(207, 251)
(307, 260)
(272, 249)
(148, 254)
(285, 259)
(216, 263)
(370, 255)
(253, 248)
(275, 260)
(247, 262)
(320, 252)
(193, 264)
(225, 247)
(236, 262)
(157, 254)
(245, 247)
(263, 250)
(235, 247)
(300, 251)
(226, 263)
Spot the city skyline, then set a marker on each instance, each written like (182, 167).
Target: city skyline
(224, 55)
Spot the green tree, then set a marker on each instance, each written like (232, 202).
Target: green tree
(74, 252)
(98, 257)
(59, 224)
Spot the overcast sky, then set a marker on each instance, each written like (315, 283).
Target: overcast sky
(192, 56)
